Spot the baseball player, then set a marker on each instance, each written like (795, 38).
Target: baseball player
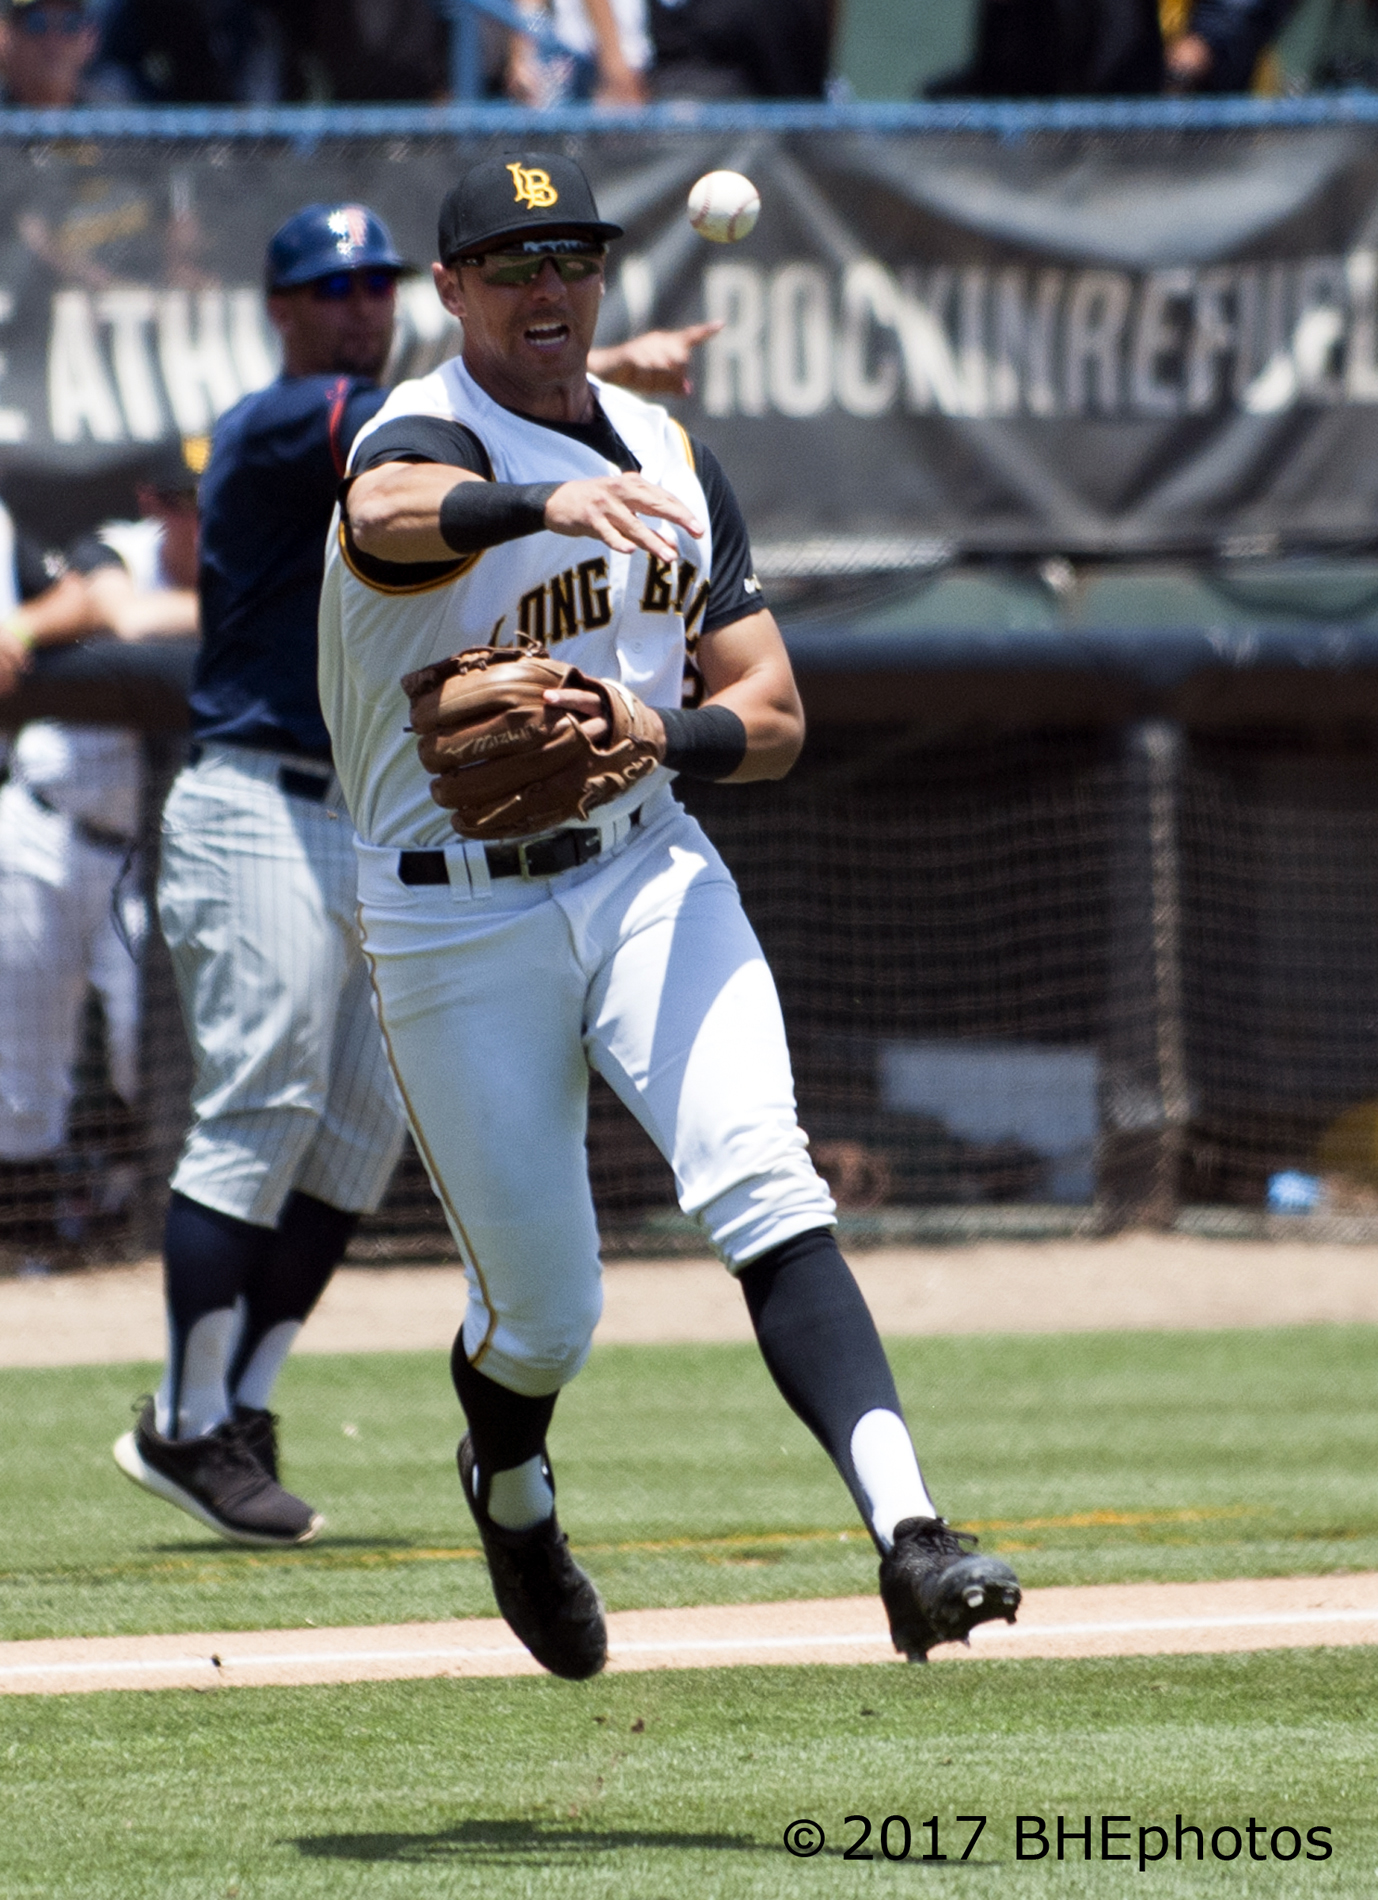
(534, 901)
(295, 1120)
(68, 820)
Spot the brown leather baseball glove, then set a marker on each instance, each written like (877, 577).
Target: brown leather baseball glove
(507, 765)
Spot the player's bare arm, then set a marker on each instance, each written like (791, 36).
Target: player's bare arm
(747, 670)
(655, 363)
(132, 613)
(394, 512)
(60, 615)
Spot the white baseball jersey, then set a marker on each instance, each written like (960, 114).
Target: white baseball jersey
(626, 617)
(91, 772)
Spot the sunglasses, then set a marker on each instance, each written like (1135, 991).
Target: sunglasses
(521, 268)
(338, 287)
(64, 20)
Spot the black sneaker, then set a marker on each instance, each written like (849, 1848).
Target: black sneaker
(260, 1432)
(936, 1591)
(546, 1598)
(217, 1479)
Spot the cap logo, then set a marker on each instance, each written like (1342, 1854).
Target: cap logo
(350, 227)
(533, 187)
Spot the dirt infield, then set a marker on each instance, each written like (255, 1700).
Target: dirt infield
(114, 1314)
(1145, 1619)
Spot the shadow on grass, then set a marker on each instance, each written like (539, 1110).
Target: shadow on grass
(491, 1843)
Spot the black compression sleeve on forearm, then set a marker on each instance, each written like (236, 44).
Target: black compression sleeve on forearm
(477, 515)
(703, 741)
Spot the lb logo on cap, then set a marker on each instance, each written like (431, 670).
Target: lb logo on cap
(533, 187)
(350, 226)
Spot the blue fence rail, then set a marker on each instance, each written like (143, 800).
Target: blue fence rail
(1011, 120)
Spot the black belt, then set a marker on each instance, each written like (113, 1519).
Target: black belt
(547, 857)
(297, 781)
(98, 835)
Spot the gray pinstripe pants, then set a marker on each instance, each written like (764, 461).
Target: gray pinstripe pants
(257, 900)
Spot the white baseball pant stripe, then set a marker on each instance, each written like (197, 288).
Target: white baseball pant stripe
(258, 903)
(494, 1008)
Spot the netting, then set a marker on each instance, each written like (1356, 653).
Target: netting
(1042, 983)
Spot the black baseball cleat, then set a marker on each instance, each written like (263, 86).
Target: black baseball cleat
(936, 1591)
(260, 1431)
(217, 1479)
(545, 1597)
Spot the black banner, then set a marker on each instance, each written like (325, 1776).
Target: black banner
(934, 344)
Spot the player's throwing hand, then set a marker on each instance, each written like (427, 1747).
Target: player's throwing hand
(608, 506)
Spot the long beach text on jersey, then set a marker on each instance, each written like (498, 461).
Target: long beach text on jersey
(629, 617)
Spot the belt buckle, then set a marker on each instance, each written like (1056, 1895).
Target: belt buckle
(524, 870)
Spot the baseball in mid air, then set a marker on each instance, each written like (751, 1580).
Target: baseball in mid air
(724, 207)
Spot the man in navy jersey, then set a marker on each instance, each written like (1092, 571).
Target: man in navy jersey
(296, 1124)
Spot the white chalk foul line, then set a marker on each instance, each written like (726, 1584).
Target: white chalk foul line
(696, 1645)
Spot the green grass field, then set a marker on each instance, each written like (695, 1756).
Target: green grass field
(683, 1479)
(644, 1788)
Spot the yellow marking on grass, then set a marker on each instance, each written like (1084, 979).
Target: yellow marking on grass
(198, 1566)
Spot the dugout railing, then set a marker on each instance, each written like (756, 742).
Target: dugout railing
(1072, 934)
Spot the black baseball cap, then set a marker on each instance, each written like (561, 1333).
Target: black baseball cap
(517, 196)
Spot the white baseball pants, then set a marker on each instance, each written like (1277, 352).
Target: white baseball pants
(258, 903)
(56, 937)
(495, 1003)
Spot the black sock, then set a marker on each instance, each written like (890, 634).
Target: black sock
(209, 1259)
(506, 1428)
(817, 1337)
(285, 1283)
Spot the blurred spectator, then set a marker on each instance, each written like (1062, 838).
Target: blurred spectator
(189, 52)
(1347, 47)
(47, 48)
(1048, 49)
(741, 49)
(1216, 45)
(362, 49)
(607, 51)
(69, 817)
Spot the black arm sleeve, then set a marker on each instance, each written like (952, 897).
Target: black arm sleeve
(474, 515)
(89, 553)
(735, 591)
(424, 439)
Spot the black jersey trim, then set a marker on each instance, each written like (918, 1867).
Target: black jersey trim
(381, 576)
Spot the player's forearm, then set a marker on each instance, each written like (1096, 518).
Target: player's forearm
(774, 723)
(746, 668)
(61, 614)
(394, 511)
(118, 606)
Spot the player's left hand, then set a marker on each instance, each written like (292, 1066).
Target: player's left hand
(655, 363)
(589, 711)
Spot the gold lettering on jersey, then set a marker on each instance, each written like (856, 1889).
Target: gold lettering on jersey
(564, 619)
(695, 608)
(657, 597)
(533, 187)
(576, 601)
(594, 604)
(687, 571)
(531, 614)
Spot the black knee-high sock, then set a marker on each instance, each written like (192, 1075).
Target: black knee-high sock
(820, 1343)
(289, 1278)
(209, 1259)
(506, 1427)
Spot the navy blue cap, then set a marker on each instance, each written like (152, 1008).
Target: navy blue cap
(322, 239)
(503, 196)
